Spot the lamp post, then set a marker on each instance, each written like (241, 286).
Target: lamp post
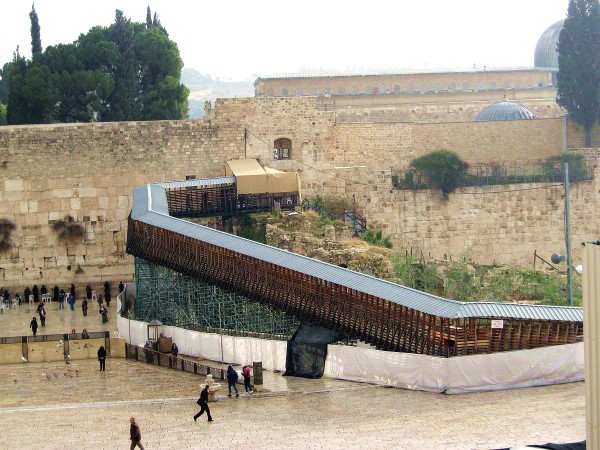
(568, 239)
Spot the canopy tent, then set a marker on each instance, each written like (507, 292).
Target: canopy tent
(252, 178)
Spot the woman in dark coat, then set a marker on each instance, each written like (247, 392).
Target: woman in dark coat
(27, 293)
(55, 293)
(44, 290)
(36, 293)
(107, 293)
(102, 358)
(72, 289)
(88, 291)
(34, 326)
(104, 313)
(232, 377)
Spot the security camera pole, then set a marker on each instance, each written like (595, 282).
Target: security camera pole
(568, 239)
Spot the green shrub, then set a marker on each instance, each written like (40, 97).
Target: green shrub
(377, 238)
(442, 169)
(577, 166)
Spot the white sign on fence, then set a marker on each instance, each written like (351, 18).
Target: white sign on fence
(497, 323)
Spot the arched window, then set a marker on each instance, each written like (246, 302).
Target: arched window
(327, 91)
(341, 90)
(506, 85)
(354, 90)
(411, 88)
(479, 86)
(270, 92)
(451, 86)
(541, 83)
(299, 92)
(397, 89)
(284, 92)
(492, 85)
(438, 87)
(519, 84)
(383, 89)
(282, 148)
(425, 88)
(465, 86)
(369, 89)
(314, 91)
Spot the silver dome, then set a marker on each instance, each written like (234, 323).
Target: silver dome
(504, 110)
(546, 54)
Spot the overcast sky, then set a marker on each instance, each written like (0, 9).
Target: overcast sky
(242, 39)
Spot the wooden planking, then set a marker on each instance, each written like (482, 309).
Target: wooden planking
(385, 324)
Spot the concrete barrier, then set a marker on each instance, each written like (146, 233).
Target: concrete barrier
(45, 351)
(11, 353)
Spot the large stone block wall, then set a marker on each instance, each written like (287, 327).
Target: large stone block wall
(88, 171)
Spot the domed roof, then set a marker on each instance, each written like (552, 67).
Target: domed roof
(546, 54)
(504, 110)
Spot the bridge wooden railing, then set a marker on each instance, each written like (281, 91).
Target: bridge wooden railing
(385, 324)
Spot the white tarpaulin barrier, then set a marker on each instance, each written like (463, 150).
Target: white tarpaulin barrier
(508, 370)
(239, 350)
(535, 367)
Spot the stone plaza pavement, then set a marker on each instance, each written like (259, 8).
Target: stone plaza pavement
(47, 406)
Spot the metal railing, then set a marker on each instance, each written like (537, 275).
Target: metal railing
(498, 174)
(157, 358)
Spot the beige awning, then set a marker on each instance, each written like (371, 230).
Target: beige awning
(251, 178)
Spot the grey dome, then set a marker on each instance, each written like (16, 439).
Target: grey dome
(504, 110)
(546, 54)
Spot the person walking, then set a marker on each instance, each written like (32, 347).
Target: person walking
(135, 435)
(61, 299)
(34, 326)
(104, 313)
(247, 377)
(232, 377)
(107, 298)
(88, 291)
(71, 302)
(42, 313)
(84, 306)
(102, 358)
(203, 402)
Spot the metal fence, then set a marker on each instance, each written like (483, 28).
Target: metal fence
(150, 356)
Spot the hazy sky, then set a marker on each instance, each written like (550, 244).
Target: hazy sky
(240, 39)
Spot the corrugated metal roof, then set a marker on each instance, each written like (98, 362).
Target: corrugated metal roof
(204, 182)
(150, 206)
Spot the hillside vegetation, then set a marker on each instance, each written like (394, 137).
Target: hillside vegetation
(320, 237)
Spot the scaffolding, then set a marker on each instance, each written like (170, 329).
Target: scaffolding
(179, 300)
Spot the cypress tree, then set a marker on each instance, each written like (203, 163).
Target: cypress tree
(36, 40)
(578, 59)
(148, 17)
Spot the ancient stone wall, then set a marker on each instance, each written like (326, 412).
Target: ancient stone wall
(87, 171)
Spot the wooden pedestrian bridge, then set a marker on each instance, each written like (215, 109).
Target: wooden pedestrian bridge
(387, 315)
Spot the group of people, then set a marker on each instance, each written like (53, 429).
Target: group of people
(61, 296)
(232, 378)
